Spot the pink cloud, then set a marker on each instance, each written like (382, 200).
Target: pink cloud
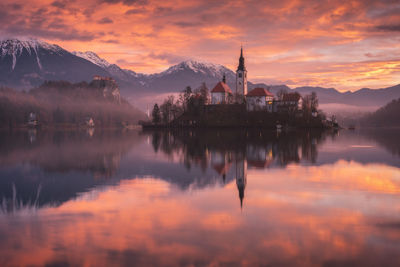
(292, 36)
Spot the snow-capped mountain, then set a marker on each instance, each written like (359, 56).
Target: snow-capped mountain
(175, 78)
(187, 73)
(92, 57)
(205, 68)
(126, 78)
(14, 48)
(26, 63)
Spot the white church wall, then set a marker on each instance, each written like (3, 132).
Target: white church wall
(218, 98)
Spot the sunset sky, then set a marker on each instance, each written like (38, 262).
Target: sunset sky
(342, 44)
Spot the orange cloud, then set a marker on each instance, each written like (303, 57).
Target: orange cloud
(284, 40)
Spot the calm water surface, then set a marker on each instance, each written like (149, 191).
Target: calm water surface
(215, 198)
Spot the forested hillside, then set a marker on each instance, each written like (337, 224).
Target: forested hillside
(386, 116)
(64, 103)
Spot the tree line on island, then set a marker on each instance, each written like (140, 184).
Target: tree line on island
(194, 107)
(188, 101)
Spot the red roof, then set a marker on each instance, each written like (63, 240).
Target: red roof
(259, 163)
(221, 87)
(260, 92)
(291, 96)
(222, 168)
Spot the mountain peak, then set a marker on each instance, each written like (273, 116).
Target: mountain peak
(14, 47)
(197, 66)
(10, 45)
(92, 57)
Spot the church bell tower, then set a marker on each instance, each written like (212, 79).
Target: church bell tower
(241, 177)
(241, 76)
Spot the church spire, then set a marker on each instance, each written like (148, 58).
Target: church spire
(241, 61)
(241, 196)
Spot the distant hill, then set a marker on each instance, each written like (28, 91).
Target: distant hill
(65, 104)
(27, 63)
(387, 116)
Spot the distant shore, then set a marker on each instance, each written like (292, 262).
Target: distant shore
(68, 126)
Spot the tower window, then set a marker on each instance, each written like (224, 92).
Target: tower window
(240, 75)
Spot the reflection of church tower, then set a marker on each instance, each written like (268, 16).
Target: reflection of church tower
(241, 178)
(241, 76)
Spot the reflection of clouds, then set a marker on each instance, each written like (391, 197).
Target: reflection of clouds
(342, 175)
(66, 165)
(292, 217)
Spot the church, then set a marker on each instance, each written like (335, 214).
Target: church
(222, 93)
(257, 99)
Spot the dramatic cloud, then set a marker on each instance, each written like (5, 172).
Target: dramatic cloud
(393, 28)
(126, 2)
(59, 4)
(105, 21)
(320, 43)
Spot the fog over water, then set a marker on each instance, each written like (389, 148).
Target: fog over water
(199, 198)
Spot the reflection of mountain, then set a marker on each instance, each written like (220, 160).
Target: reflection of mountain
(39, 168)
(63, 152)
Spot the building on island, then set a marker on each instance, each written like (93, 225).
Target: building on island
(289, 102)
(221, 93)
(259, 99)
(241, 76)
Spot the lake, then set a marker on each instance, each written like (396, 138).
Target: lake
(199, 198)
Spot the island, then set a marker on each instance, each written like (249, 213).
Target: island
(225, 108)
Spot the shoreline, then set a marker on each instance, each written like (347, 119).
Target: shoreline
(70, 127)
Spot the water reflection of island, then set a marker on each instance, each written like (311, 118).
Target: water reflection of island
(39, 168)
(231, 153)
(259, 148)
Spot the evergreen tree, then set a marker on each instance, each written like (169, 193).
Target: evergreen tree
(204, 93)
(156, 114)
(314, 102)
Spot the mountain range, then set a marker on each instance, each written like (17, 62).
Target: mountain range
(27, 63)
